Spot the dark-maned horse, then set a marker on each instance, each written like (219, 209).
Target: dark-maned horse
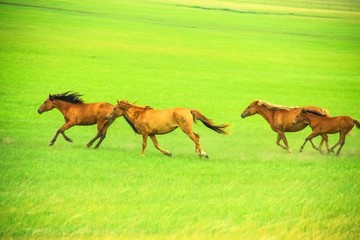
(76, 112)
(150, 122)
(280, 119)
(322, 124)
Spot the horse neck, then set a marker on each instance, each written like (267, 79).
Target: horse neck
(131, 113)
(130, 116)
(312, 118)
(62, 106)
(266, 113)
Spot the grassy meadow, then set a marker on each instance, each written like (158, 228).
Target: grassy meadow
(215, 56)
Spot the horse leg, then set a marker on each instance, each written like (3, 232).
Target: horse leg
(324, 138)
(281, 136)
(311, 136)
(61, 130)
(187, 129)
(144, 140)
(313, 145)
(102, 129)
(157, 146)
(342, 142)
(302, 146)
(321, 144)
(103, 135)
(196, 139)
(337, 144)
(93, 140)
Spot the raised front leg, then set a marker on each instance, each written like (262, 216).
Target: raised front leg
(156, 144)
(311, 136)
(313, 145)
(62, 130)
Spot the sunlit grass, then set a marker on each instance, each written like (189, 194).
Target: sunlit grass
(165, 55)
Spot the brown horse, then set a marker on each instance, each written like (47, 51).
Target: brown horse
(322, 124)
(76, 112)
(150, 122)
(280, 119)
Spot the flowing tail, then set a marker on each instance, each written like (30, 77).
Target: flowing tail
(357, 123)
(208, 123)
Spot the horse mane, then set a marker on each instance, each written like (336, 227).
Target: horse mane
(141, 107)
(272, 106)
(69, 96)
(128, 105)
(139, 110)
(317, 112)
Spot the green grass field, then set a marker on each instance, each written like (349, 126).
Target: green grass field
(216, 56)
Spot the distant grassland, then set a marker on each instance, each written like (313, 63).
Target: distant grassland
(215, 56)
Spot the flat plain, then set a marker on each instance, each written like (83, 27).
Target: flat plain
(215, 56)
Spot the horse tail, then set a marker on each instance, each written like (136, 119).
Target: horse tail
(208, 123)
(357, 123)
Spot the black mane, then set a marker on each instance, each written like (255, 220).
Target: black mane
(69, 96)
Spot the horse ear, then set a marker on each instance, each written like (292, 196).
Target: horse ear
(50, 97)
(118, 101)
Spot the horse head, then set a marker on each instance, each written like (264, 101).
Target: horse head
(47, 105)
(118, 111)
(123, 104)
(300, 117)
(250, 110)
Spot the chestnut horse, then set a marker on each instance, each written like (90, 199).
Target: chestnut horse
(150, 122)
(322, 124)
(280, 119)
(76, 112)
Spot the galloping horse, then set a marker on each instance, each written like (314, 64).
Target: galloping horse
(76, 112)
(322, 124)
(280, 119)
(150, 122)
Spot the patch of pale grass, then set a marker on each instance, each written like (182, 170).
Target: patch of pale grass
(309, 7)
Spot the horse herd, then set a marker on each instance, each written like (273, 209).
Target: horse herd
(149, 122)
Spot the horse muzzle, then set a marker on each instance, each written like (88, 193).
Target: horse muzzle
(243, 115)
(39, 111)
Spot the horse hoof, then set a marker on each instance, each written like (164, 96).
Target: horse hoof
(204, 154)
(50, 144)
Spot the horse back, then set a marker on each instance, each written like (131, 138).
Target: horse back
(334, 124)
(163, 121)
(282, 120)
(90, 113)
(169, 116)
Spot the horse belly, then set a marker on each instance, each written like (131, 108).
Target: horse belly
(297, 127)
(162, 128)
(86, 120)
